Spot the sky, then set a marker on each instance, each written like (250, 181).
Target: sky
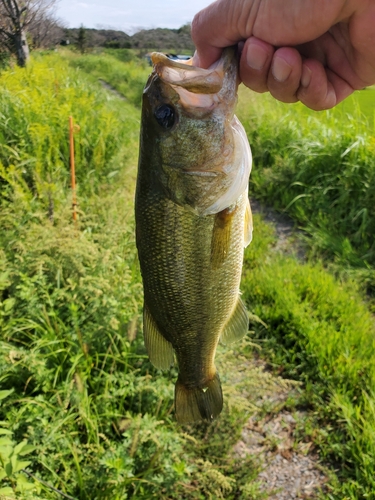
(129, 15)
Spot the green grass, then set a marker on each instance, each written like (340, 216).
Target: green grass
(75, 381)
(320, 332)
(126, 76)
(362, 100)
(319, 169)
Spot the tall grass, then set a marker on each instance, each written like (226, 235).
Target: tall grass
(320, 332)
(70, 297)
(127, 76)
(35, 105)
(319, 169)
(75, 381)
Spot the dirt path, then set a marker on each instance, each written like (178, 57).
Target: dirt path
(291, 469)
(112, 90)
(286, 230)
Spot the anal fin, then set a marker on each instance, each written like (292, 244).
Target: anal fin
(159, 350)
(193, 404)
(248, 228)
(237, 325)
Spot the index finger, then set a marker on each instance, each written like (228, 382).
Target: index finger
(209, 32)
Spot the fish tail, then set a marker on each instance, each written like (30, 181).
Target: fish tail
(198, 403)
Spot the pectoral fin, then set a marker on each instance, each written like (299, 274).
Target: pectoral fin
(248, 229)
(237, 326)
(221, 234)
(159, 350)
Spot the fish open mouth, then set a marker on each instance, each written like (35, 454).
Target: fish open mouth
(198, 87)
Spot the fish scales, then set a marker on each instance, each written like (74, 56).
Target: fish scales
(190, 258)
(182, 289)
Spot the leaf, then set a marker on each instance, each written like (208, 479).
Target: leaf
(5, 441)
(19, 464)
(5, 432)
(26, 450)
(8, 469)
(295, 199)
(23, 485)
(6, 452)
(8, 304)
(7, 492)
(112, 174)
(19, 447)
(5, 394)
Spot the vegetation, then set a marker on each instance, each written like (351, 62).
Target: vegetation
(165, 40)
(161, 39)
(82, 39)
(17, 17)
(100, 38)
(81, 408)
(128, 79)
(319, 169)
(320, 332)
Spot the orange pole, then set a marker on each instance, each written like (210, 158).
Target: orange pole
(72, 167)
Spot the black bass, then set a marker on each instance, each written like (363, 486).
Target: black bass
(193, 221)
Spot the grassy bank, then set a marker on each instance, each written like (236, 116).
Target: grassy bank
(81, 408)
(320, 332)
(120, 68)
(319, 169)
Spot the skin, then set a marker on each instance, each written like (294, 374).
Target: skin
(314, 51)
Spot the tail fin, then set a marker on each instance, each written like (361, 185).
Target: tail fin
(198, 403)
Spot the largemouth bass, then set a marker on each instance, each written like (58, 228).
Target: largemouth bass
(193, 221)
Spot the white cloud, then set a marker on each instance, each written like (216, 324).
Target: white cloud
(130, 13)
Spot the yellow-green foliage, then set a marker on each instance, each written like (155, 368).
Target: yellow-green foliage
(320, 169)
(128, 78)
(35, 105)
(79, 388)
(75, 381)
(321, 332)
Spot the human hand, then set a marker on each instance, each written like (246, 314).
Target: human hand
(314, 51)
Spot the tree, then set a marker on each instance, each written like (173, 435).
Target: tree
(46, 30)
(82, 39)
(15, 18)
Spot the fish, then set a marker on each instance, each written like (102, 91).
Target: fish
(193, 221)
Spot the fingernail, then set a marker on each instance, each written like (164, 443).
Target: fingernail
(281, 69)
(256, 56)
(306, 76)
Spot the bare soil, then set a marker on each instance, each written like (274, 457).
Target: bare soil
(291, 467)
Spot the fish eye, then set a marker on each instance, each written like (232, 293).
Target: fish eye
(166, 116)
